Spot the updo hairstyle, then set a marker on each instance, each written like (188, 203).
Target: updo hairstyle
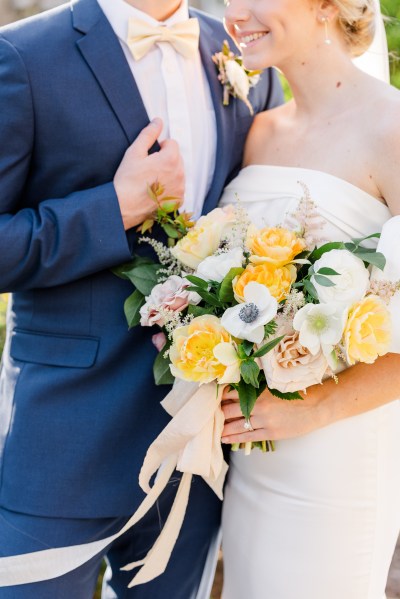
(356, 20)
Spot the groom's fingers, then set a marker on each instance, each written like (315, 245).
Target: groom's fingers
(146, 139)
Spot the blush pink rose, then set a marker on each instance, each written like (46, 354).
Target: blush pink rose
(290, 367)
(159, 340)
(171, 295)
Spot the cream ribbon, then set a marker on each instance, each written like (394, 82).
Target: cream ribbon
(190, 443)
(184, 37)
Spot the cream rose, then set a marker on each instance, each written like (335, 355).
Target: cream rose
(290, 367)
(204, 238)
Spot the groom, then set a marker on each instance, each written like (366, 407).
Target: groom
(78, 405)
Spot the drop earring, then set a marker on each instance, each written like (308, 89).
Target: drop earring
(327, 40)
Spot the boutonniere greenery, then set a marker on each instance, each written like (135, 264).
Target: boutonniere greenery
(235, 79)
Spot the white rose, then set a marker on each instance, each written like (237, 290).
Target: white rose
(291, 367)
(350, 285)
(238, 79)
(215, 268)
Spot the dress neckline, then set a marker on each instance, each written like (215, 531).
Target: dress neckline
(317, 172)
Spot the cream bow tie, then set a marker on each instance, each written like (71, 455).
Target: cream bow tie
(183, 36)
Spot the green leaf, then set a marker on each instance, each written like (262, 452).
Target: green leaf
(376, 259)
(132, 307)
(197, 281)
(250, 371)
(199, 311)
(144, 277)
(351, 247)
(324, 281)
(267, 347)
(247, 347)
(287, 396)
(327, 247)
(270, 328)
(161, 370)
(226, 291)
(309, 287)
(207, 297)
(358, 240)
(122, 270)
(327, 271)
(170, 231)
(247, 397)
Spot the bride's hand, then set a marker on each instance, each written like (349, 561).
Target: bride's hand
(272, 418)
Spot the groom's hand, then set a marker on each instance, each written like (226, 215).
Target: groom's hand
(138, 169)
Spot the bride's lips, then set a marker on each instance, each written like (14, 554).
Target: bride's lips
(247, 39)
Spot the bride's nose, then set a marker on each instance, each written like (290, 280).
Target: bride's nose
(236, 14)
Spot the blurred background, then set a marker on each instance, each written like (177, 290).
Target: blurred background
(11, 10)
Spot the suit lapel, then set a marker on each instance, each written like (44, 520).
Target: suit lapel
(225, 115)
(102, 51)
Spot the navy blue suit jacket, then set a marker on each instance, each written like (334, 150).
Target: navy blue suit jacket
(78, 405)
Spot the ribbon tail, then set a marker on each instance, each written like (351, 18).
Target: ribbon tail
(157, 559)
(51, 563)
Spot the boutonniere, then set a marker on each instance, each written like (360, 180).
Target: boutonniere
(235, 79)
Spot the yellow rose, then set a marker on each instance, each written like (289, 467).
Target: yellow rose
(278, 280)
(205, 237)
(273, 245)
(368, 330)
(203, 352)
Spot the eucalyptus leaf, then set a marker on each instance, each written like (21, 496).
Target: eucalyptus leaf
(327, 271)
(376, 259)
(323, 281)
(247, 398)
(132, 307)
(267, 347)
(309, 287)
(161, 370)
(358, 240)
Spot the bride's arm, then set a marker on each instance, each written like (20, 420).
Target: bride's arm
(360, 389)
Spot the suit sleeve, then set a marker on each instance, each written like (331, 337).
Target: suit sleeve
(63, 239)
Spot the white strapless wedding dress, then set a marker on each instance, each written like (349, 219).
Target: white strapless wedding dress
(319, 518)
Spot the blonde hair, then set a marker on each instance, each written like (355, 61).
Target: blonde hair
(356, 20)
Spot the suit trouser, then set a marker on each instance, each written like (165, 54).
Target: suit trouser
(22, 533)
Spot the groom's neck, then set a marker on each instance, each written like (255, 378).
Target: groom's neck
(158, 9)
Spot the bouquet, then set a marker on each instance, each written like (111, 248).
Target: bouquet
(259, 308)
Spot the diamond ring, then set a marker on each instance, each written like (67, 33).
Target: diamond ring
(247, 425)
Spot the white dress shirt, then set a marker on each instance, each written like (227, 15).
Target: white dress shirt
(176, 89)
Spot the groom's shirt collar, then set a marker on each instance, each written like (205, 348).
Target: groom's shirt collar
(118, 13)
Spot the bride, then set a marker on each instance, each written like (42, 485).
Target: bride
(319, 518)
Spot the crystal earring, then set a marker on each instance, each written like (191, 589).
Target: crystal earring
(327, 40)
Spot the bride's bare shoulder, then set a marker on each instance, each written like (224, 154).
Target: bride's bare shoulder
(386, 134)
(265, 126)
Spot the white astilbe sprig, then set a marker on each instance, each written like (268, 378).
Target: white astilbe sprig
(173, 320)
(384, 289)
(294, 301)
(306, 219)
(172, 266)
(238, 233)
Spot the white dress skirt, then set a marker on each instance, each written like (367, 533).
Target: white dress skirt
(319, 517)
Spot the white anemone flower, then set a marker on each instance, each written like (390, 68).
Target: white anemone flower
(215, 268)
(226, 355)
(247, 321)
(320, 326)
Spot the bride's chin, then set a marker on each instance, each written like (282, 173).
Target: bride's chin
(256, 62)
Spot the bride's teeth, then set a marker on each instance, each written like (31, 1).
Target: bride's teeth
(251, 38)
